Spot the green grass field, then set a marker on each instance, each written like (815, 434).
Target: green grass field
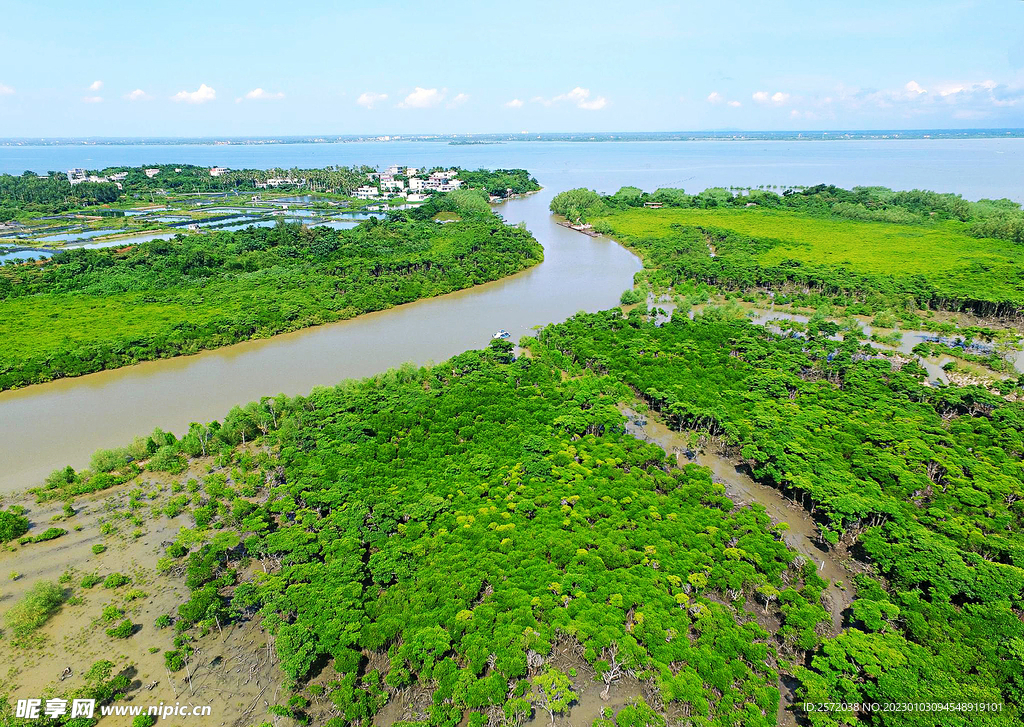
(957, 265)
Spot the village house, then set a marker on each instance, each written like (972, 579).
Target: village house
(442, 184)
(278, 181)
(218, 171)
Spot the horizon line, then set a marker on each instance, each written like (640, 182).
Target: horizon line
(378, 136)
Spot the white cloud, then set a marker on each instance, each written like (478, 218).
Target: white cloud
(5, 90)
(92, 99)
(458, 100)
(258, 94)
(960, 99)
(423, 98)
(776, 98)
(137, 95)
(201, 95)
(735, 104)
(580, 97)
(715, 97)
(369, 99)
(514, 104)
(96, 85)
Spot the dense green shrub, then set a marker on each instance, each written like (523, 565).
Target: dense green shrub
(116, 580)
(12, 525)
(122, 631)
(35, 609)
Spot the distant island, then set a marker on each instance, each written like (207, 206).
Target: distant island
(582, 136)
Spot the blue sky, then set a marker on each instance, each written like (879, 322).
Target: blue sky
(255, 68)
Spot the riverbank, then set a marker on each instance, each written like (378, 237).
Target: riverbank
(125, 530)
(104, 309)
(107, 409)
(468, 410)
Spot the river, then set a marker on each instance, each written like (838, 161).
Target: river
(50, 425)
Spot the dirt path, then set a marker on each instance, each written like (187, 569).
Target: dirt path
(802, 535)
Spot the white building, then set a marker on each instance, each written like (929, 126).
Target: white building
(415, 184)
(151, 172)
(76, 175)
(218, 171)
(119, 177)
(390, 184)
(366, 192)
(278, 181)
(442, 184)
(395, 169)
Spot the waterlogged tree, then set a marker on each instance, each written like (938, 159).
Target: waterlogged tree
(577, 205)
(609, 668)
(552, 692)
(516, 711)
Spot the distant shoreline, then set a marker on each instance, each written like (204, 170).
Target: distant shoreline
(577, 137)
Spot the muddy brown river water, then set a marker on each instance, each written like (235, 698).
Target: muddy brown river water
(51, 425)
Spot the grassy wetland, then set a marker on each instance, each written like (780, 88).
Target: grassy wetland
(495, 538)
(636, 517)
